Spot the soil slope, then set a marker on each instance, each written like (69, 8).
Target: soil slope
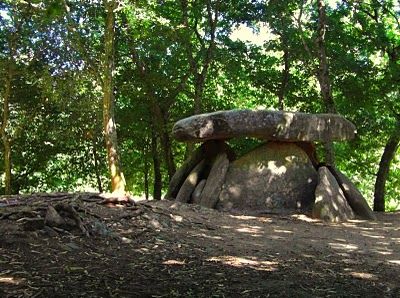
(167, 249)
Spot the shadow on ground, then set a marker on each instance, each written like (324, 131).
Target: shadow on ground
(163, 249)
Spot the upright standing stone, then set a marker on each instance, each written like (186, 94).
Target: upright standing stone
(208, 150)
(180, 175)
(354, 197)
(196, 195)
(190, 183)
(330, 202)
(210, 193)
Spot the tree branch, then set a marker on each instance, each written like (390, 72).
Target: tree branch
(80, 46)
(300, 27)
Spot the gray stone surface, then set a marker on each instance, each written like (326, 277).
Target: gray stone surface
(274, 177)
(210, 193)
(330, 203)
(208, 150)
(354, 197)
(263, 124)
(196, 195)
(181, 174)
(190, 183)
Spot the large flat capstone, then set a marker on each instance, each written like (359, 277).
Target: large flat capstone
(263, 124)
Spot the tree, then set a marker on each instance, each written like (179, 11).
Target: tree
(322, 68)
(13, 24)
(4, 129)
(384, 166)
(200, 59)
(109, 125)
(380, 26)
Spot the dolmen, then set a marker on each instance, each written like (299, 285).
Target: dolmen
(279, 176)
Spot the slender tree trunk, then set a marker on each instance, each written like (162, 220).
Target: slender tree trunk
(384, 166)
(285, 77)
(146, 170)
(159, 125)
(323, 77)
(5, 136)
(200, 64)
(157, 168)
(323, 67)
(169, 158)
(198, 93)
(109, 125)
(96, 166)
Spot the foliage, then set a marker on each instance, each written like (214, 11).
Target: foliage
(161, 49)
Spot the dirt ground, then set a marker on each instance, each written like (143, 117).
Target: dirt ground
(165, 249)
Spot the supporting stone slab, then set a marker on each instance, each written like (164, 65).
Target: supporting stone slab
(330, 203)
(354, 197)
(190, 183)
(210, 193)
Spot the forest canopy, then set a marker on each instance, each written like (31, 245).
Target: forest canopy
(90, 89)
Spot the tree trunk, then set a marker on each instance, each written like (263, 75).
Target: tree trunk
(198, 92)
(109, 125)
(5, 136)
(285, 77)
(96, 166)
(323, 77)
(146, 169)
(384, 167)
(157, 168)
(169, 158)
(200, 63)
(323, 67)
(160, 129)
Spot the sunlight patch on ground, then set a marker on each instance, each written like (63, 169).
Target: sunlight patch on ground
(208, 236)
(173, 262)
(243, 217)
(387, 252)
(305, 218)
(396, 262)
(10, 280)
(363, 275)
(176, 218)
(372, 236)
(142, 250)
(250, 230)
(382, 243)
(248, 217)
(243, 262)
(283, 231)
(352, 222)
(341, 246)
